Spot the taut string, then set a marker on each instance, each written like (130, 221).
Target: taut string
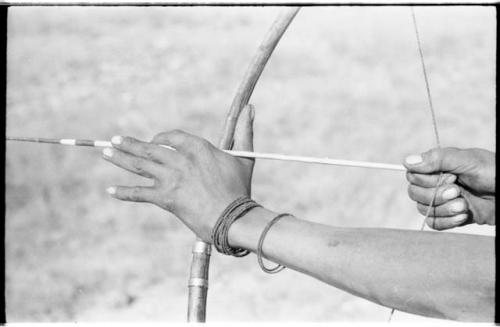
(434, 124)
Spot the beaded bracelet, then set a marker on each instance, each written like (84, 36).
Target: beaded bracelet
(278, 267)
(235, 210)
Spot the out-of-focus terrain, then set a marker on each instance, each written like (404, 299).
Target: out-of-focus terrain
(344, 82)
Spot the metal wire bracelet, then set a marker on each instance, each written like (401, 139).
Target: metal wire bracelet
(278, 267)
(220, 231)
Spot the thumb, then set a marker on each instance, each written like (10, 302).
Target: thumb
(243, 135)
(436, 160)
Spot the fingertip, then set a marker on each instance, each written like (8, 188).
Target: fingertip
(449, 179)
(117, 140)
(458, 206)
(414, 159)
(434, 224)
(447, 222)
(450, 193)
(247, 115)
(413, 163)
(122, 142)
(107, 153)
(431, 222)
(426, 162)
(251, 111)
(460, 219)
(243, 137)
(111, 190)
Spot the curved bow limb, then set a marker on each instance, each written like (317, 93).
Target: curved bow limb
(198, 279)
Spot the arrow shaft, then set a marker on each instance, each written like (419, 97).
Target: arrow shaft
(242, 154)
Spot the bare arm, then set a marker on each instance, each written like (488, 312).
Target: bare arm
(427, 273)
(440, 275)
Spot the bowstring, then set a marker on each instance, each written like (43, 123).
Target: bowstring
(426, 78)
(431, 107)
(435, 128)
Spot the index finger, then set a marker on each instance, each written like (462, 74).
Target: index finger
(429, 180)
(145, 150)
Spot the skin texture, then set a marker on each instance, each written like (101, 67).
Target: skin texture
(467, 194)
(407, 270)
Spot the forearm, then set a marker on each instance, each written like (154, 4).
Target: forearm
(427, 273)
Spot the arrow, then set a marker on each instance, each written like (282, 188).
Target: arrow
(241, 154)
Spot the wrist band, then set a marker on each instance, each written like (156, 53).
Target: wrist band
(235, 210)
(278, 267)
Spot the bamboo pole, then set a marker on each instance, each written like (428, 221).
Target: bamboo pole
(198, 279)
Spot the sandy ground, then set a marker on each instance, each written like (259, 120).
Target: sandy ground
(345, 82)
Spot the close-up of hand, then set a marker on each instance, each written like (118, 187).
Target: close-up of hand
(466, 193)
(195, 182)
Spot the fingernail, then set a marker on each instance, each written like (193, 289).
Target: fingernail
(457, 206)
(414, 159)
(111, 190)
(451, 179)
(450, 193)
(461, 218)
(252, 112)
(117, 140)
(107, 152)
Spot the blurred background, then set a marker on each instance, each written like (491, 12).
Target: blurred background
(344, 82)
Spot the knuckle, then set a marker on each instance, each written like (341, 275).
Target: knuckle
(126, 140)
(138, 165)
(178, 137)
(198, 145)
(134, 194)
(183, 159)
(434, 181)
(435, 153)
(202, 142)
(434, 157)
(175, 180)
(205, 144)
(450, 150)
(150, 152)
(177, 133)
(429, 154)
(160, 137)
(168, 204)
(190, 157)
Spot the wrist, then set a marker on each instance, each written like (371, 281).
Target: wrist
(245, 232)
(220, 232)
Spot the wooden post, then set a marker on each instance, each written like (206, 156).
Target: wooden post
(198, 279)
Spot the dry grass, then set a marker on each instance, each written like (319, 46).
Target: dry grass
(344, 82)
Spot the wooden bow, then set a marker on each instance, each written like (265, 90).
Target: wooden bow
(198, 279)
